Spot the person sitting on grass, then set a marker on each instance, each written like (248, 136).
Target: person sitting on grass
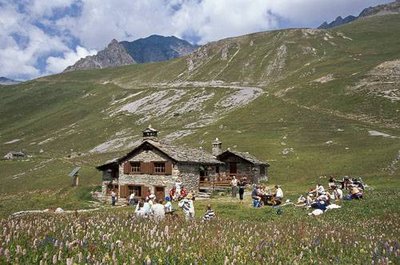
(139, 211)
(355, 192)
(319, 189)
(209, 215)
(337, 193)
(147, 207)
(278, 196)
(332, 182)
(158, 210)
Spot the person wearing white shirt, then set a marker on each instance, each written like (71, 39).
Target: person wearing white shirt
(131, 199)
(278, 193)
(158, 211)
(234, 184)
(178, 186)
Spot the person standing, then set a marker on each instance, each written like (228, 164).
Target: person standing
(187, 206)
(178, 186)
(131, 199)
(234, 184)
(278, 195)
(242, 186)
(113, 197)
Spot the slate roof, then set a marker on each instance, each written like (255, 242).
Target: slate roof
(244, 155)
(180, 154)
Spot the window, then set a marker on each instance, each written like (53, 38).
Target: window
(135, 167)
(262, 170)
(159, 167)
(135, 189)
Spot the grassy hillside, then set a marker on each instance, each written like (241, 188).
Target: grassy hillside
(296, 91)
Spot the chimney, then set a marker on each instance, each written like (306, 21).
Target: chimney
(150, 134)
(216, 147)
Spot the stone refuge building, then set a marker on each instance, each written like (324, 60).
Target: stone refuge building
(15, 155)
(154, 167)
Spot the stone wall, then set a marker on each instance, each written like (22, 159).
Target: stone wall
(189, 174)
(244, 169)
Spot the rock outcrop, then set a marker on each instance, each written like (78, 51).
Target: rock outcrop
(385, 9)
(337, 22)
(157, 48)
(151, 49)
(113, 55)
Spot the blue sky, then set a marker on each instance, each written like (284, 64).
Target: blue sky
(43, 37)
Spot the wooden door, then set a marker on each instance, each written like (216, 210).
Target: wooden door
(160, 193)
(232, 168)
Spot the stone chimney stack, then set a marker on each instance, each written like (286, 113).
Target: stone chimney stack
(150, 134)
(216, 147)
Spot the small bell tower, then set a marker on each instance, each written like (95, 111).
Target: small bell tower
(150, 134)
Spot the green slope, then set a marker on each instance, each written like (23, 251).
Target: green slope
(306, 102)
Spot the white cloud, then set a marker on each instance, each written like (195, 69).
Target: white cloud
(37, 38)
(58, 64)
(42, 8)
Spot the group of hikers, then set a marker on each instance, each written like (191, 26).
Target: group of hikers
(318, 198)
(322, 199)
(150, 207)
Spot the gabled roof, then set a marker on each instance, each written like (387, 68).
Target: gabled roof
(176, 153)
(243, 155)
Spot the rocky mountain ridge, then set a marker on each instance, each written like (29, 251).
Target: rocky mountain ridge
(385, 9)
(154, 48)
(113, 55)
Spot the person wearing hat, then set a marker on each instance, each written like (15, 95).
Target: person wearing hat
(187, 206)
(168, 205)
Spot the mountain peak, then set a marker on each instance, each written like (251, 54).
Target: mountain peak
(112, 56)
(390, 8)
(155, 48)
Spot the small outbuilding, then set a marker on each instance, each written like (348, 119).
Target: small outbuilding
(12, 155)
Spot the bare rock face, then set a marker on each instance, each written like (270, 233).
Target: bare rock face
(113, 55)
(382, 81)
(380, 10)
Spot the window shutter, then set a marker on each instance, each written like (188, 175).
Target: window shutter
(127, 167)
(151, 168)
(168, 168)
(142, 167)
(148, 167)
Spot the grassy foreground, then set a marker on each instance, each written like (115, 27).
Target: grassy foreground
(361, 232)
